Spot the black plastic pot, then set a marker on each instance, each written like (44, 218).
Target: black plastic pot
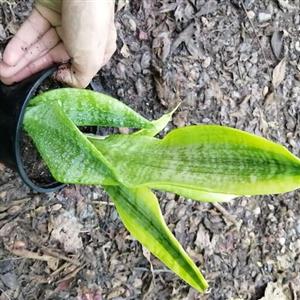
(13, 101)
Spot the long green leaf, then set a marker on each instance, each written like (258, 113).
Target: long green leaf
(69, 155)
(206, 158)
(140, 212)
(89, 108)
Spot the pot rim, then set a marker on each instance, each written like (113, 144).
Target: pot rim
(51, 187)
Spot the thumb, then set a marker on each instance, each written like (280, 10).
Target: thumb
(73, 77)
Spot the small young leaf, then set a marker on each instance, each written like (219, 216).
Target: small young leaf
(158, 125)
(140, 212)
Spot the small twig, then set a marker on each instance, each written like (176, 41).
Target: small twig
(6, 186)
(226, 214)
(71, 274)
(11, 258)
(103, 203)
(4, 208)
(31, 255)
(62, 267)
(19, 201)
(5, 294)
(49, 257)
(293, 291)
(60, 256)
(147, 255)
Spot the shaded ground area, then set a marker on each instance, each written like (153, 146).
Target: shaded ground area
(218, 58)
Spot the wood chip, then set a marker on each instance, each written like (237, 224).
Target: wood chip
(279, 73)
(274, 292)
(277, 43)
(208, 8)
(284, 4)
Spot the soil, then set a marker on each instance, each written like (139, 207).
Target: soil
(35, 168)
(223, 61)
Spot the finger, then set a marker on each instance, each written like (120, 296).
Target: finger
(49, 40)
(57, 55)
(50, 14)
(80, 75)
(32, 29)
(86, 40)
(73, 77)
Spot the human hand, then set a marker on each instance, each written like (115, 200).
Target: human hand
(79, 34)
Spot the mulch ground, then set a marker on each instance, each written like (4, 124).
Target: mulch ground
(234, 63)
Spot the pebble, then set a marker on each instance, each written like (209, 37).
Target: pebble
(146, 60)
(271, 218)
(206, 62)
(2, 33)
(264, 17)
(134, 46)
(137, 67)
(298, 228)
(251, 14)
(254, 58)
(285, 4)
(56, 207)
(252, 71)
(132, 25)
(265, 91)
(297, 46)
(257, 211)
(19, 245)
(281, 241)
(259, 264)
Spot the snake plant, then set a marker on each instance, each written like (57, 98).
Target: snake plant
(203, 162)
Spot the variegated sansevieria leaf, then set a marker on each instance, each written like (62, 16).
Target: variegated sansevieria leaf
(140, 212)
(206, 158)
(89, 108)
